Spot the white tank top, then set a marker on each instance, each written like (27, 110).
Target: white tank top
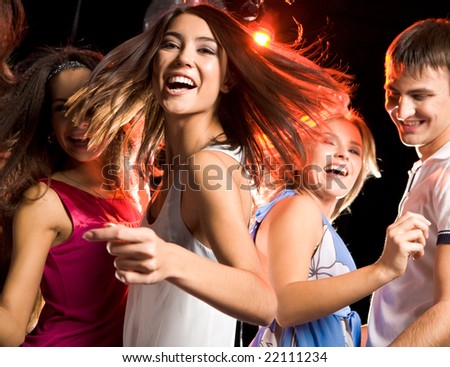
(163, 315)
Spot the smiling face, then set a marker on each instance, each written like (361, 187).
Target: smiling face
(419, 105)
(335, 161)
(71, 138)
(189, 70)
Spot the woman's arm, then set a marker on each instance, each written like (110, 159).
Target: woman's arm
(34, 232)
(221, 209)
(291, 233)
(215, 211)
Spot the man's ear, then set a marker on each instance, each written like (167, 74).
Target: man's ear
(229, 82)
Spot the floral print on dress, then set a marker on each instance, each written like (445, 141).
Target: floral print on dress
(324, 263)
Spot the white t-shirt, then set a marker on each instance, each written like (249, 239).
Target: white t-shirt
(399, 303)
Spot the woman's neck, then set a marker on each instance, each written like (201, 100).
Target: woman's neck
(92, 177)
(91, 173)
(184, 137)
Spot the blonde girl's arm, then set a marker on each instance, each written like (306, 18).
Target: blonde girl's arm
(292, 234)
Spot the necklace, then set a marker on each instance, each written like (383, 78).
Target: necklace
(89, 189)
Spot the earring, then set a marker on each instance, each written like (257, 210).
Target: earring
(50, 139)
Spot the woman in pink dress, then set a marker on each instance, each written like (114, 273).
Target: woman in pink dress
(54, 188)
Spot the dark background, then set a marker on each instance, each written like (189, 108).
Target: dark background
(358, 33)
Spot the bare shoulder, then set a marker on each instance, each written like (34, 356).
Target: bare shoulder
(299, 203)
(41, 205)
(39, 194)
(37, 191)
(217, 171)
(293, 224)
(212, 158)
(296, 208)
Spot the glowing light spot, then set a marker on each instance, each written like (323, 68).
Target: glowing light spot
(262, 38)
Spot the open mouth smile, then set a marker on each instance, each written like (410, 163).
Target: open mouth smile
(179, 83)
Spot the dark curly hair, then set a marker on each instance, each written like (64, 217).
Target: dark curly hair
(25, 124)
